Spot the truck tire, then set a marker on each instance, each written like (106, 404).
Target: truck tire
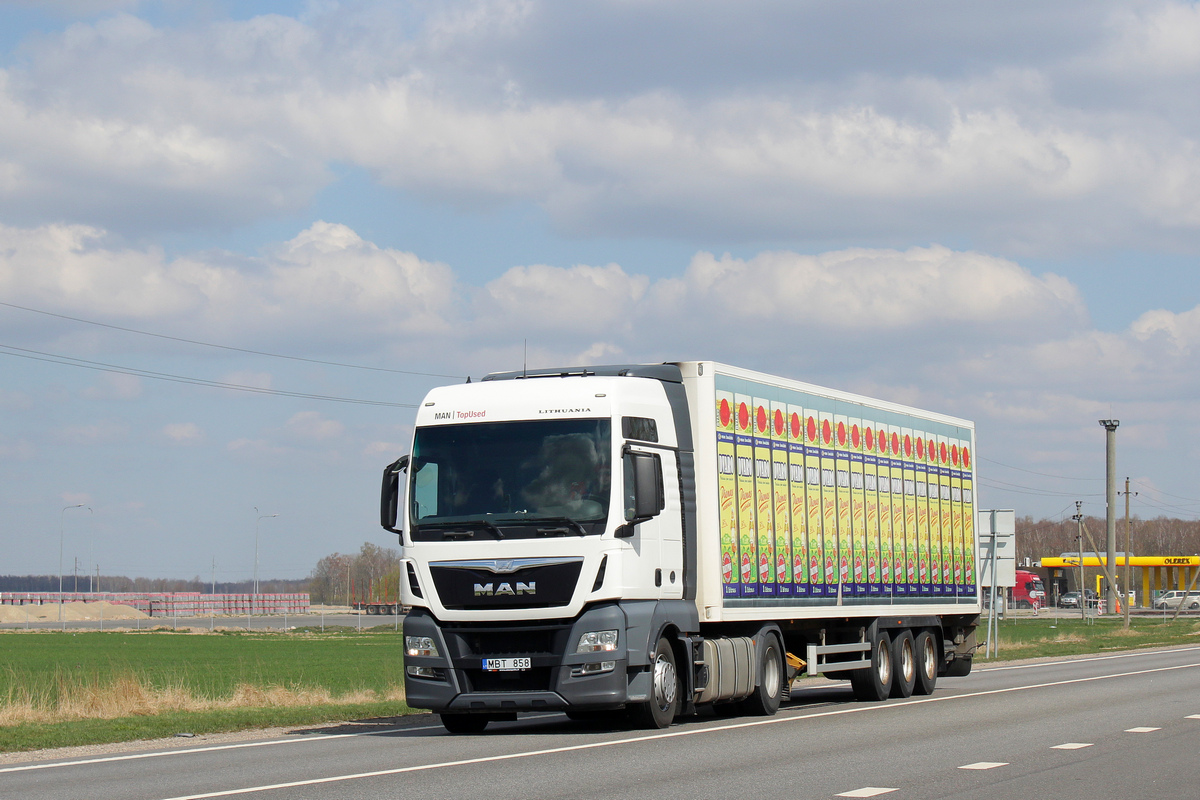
(904, 664)
(927, 663)
(659, 710)
(875, 682)
(464, 723)
(768, 694)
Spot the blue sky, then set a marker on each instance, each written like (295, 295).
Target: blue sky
(991, 212)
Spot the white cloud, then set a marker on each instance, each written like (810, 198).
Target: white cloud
(864, 290)
(134, 127)
(115, 386)
(18, 450)
(313, 426)
(326, 284)
(183, 433)
(582, 299)
(96, 433)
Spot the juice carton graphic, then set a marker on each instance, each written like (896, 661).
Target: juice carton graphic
(747, 526)
(727, 491)
(764, 496)
(798, 509)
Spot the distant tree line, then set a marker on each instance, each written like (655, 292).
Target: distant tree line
(372, 573)
(120, 583)
(1161, 536)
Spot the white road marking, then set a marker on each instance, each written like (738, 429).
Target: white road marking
(671, 734)
(867, 791)
(1142, 730)
(985, 765)
(1072, 746)
(1192, 716)
(210, 749)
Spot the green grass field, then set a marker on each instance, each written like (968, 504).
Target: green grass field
(1025, 637)
(77, 688)
(59, 689)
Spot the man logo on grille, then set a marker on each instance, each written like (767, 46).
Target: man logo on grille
(492, 590)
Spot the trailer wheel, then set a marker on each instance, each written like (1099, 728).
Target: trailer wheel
(904, 665)
(659, 710)
(875, 682)
(464, 723)
(768, 694)
(927, 663)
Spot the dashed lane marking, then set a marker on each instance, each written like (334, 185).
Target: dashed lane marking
(1072, 746)
(985, 765)
(867, 791)
(1142, 730)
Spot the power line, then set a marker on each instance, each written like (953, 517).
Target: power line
(1016, 487)
(1034, 472)
(53, 358)
(1150, 488)
(1168, 507)
(228, 347)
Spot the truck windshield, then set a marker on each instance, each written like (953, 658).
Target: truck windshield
(511, 478)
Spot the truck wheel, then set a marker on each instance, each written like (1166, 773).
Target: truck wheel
(927, 663)
(765, 699)
(904, 665)
(464, 723)
(659, 711)
(875, 682)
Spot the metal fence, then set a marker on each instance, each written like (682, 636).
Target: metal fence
(171, 604)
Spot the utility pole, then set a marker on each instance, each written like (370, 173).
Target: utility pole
(1110, 501)
(1127, 551)
(1079, 540)
(76, 589)
(214, 575)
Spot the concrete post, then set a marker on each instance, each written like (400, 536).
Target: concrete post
(1110, 501)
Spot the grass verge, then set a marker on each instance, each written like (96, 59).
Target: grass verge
(38, 736)
(61, 689)
(1048, 637)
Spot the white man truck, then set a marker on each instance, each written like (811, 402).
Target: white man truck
(656, 539)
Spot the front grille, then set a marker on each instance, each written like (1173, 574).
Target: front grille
(508, 643)
(538, 586)
(541, 642)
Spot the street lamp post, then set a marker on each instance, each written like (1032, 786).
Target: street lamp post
(61, 527)
(261, 517)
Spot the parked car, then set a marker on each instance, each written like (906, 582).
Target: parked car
(1071, 599)
(1173, 598)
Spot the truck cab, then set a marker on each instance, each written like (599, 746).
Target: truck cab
(542, 525)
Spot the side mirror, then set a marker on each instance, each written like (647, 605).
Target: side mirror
(389, 497)
(644, 494)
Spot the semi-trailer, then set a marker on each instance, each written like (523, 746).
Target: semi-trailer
(654, 539)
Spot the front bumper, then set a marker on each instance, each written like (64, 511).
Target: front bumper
(556, 679)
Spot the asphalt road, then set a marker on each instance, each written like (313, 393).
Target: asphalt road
(1119, 726)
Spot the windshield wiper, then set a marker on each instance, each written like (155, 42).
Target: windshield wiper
(493, 527)
(570, 523)
(465, 528)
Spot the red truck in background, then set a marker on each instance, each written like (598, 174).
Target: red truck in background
(1028, 591)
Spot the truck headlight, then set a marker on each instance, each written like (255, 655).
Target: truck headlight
(596, 642)
(420, 646)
